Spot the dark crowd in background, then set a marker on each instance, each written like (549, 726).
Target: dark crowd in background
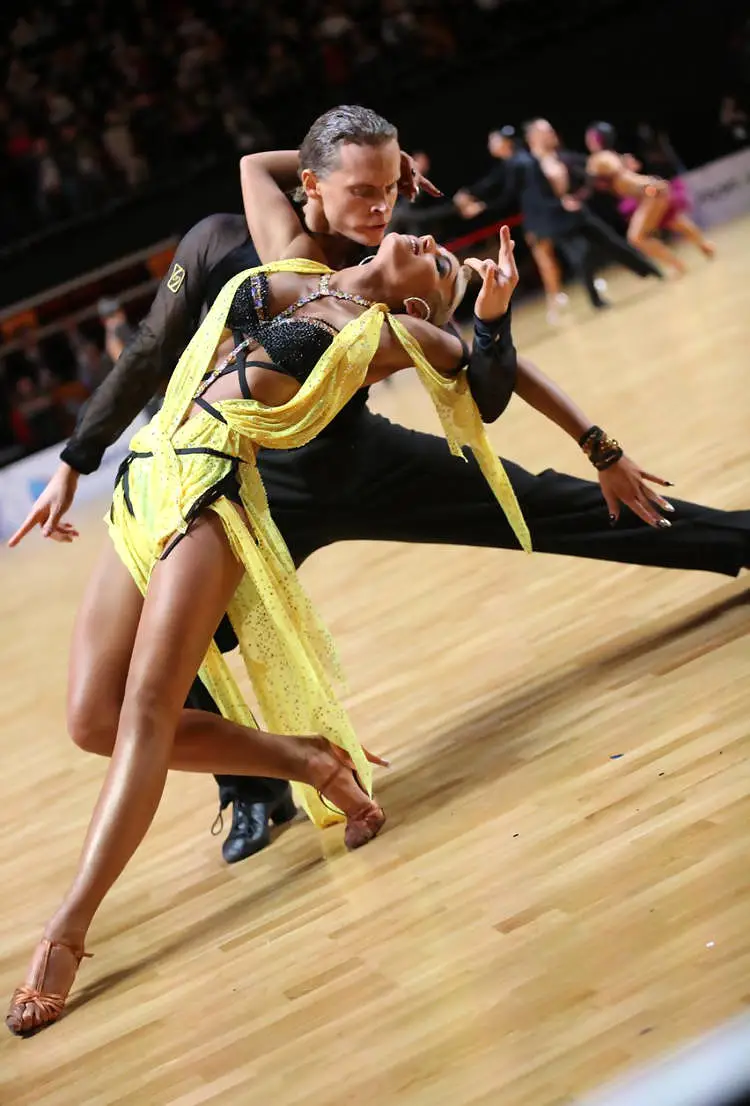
(105, 103)
(43, 385)
(103, 98)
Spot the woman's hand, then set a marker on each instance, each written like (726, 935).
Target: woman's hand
(54, 502)
(411, 182)
(624, 484)
(499, 279)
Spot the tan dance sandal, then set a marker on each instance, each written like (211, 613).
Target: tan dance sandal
(32, 1008)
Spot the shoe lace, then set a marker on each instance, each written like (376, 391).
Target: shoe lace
(218, 823)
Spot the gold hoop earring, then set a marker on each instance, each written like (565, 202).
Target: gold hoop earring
(423, 303)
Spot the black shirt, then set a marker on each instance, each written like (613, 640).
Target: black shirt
(210, 253)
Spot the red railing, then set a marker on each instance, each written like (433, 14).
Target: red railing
(481, 233)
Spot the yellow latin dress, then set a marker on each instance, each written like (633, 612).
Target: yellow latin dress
(175, 461)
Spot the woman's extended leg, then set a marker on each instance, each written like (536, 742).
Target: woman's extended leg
(545, 259)
(186, 599)
(683, 225)
(642, 232)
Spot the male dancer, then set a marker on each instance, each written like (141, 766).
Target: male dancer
(366, 478)
(505, 184)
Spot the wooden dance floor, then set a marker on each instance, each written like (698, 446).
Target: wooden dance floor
(562, 889)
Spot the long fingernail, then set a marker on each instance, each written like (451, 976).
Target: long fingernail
(663, 523)
(612, 520)
(668, 484)
(666, 506)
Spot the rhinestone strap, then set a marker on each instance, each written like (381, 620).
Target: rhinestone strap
(322, 291)
(222, 365)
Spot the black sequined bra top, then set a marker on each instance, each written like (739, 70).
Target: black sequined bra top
(294, 345)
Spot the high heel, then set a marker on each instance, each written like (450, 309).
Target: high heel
(364, 821)
(47, 1006)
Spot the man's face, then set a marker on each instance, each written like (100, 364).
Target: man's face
(357, 196)
(542, 137)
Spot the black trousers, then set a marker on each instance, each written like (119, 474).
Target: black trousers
(376, 480)
(591, 243)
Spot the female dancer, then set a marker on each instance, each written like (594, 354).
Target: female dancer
(649, 203)
(193, 532)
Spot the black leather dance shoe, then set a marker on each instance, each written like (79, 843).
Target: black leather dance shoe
(250, 832)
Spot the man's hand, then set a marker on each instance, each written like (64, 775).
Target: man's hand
(499, 279)
(468, 205)
(54, 502)
(624, 484)
(411, 181)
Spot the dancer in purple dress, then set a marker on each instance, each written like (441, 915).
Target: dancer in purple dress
(650, 204)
